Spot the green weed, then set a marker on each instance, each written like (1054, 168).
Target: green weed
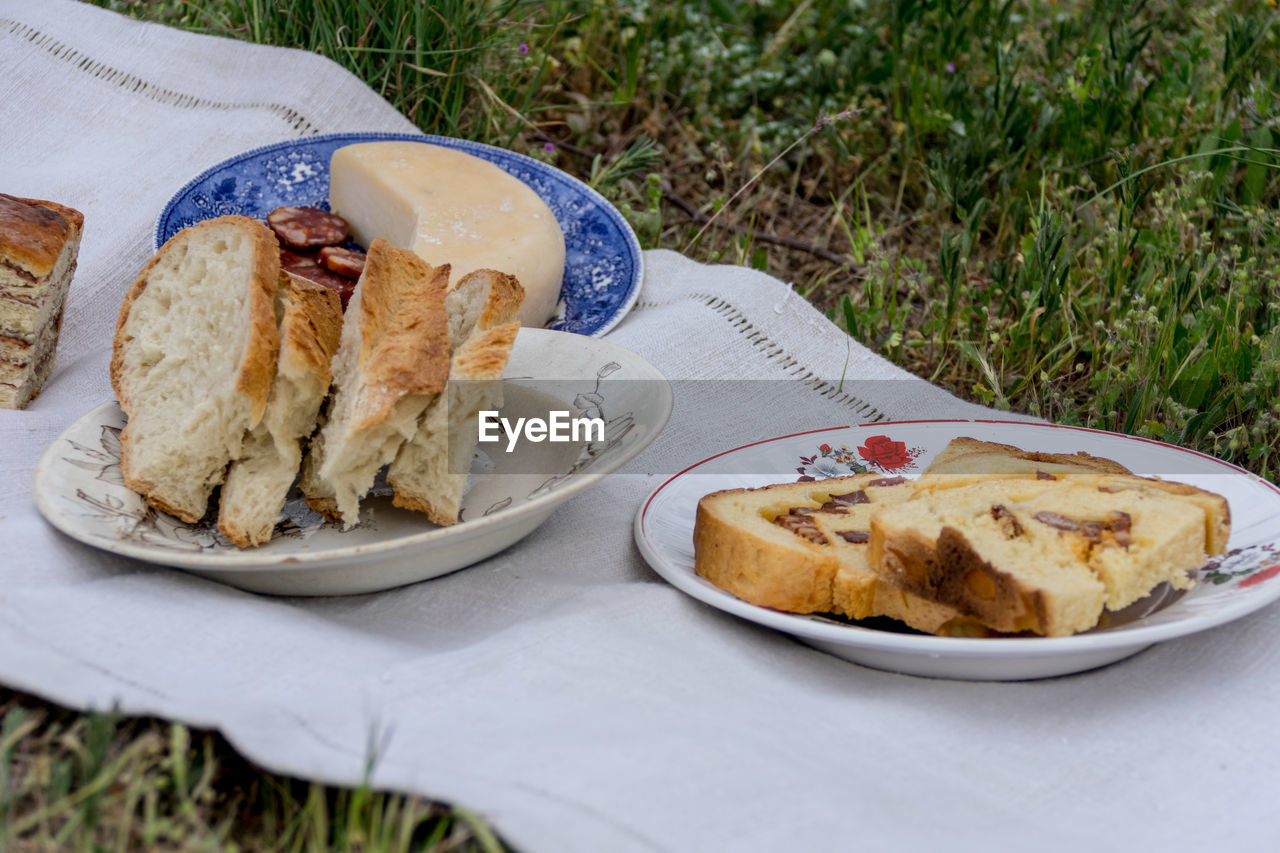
(101, 783)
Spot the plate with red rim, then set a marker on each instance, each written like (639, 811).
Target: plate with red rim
(1228, 587)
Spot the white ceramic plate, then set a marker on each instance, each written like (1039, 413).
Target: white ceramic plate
(1226, 589)
(79, 489)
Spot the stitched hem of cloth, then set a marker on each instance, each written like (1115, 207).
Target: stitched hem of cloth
(774, 351)
(141, 87)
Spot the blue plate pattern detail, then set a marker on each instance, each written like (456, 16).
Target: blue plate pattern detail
(603, 264)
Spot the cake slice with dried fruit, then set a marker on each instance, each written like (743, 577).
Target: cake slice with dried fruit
(1037, 555)
(971, 457)
(802, 548)
(965, 461)
(39, 243)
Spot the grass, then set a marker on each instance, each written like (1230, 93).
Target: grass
(1065, 208)
(99, 782)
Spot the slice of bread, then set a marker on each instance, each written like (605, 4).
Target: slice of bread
(39, 243)
(310, 321)
(481, 300)
(1036, 555)
(193, 360)
(738, 547)
(802, 548)
(969, 460)
(392, 361)
(970, 456)
(956, 552)
(429, 473)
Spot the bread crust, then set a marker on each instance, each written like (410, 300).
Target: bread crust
(311, 328)
(34, 231)
(485, 356)
(325, 506)
(963, 452)
(258, 364)
(404, 332)
(796, 577)
(258, 368)
(482, 358)
(506, 295)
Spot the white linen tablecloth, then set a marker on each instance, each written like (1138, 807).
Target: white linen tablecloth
(561, 689)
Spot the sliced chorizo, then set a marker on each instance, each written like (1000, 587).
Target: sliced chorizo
(308, 227)
(307, 265)
(344, 262)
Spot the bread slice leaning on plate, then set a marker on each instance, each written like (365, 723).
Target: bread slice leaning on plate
(193, 360)
(258, 481)
(392, 361)
(429, 473)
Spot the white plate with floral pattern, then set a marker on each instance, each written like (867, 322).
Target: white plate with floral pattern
(79, 489)
(1226, 588)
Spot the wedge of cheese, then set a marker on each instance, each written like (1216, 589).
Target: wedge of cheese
(451, 208)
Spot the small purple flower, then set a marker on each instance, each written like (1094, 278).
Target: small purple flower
(524, 48)
(951, 68)
(549, 147)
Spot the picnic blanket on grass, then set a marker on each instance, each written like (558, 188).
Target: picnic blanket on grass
(561, 689)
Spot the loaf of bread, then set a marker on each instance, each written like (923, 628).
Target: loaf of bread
(392, 361)
(991, 539)
(39, 243)
(193, 360)
(429, 472)
(259, 480)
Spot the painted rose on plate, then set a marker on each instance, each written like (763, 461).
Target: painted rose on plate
(886, 454)
(879, 453)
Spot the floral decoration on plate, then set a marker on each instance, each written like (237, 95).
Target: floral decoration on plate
(1243, 566)
(128, 519)
(879, 453)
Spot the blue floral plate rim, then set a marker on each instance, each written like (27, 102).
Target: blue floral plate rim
(629, 292)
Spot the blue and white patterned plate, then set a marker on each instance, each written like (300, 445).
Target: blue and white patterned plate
(603, 266)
